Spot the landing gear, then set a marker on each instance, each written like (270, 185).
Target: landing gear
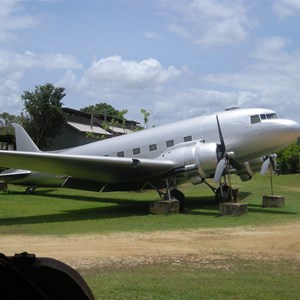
(224, 194)
(171, 193)
(177, 195)
(30, 189)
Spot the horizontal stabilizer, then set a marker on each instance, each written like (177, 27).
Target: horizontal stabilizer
(13, 174)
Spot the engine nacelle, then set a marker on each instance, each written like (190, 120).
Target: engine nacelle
(199, 156)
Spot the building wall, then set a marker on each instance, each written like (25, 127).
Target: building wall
(69, 138)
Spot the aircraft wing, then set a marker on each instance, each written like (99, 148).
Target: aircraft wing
(92, 168)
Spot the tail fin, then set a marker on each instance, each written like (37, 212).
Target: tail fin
(23, 140)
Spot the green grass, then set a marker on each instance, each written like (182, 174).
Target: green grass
(63, 211)
(232, 278)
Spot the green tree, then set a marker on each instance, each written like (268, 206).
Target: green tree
(102, 108)
(289, 159)
(42, 113)
(146, 115)
(8, 118)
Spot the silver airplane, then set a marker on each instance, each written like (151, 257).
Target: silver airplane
(239, 141)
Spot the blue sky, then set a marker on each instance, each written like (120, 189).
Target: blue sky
(174, 58)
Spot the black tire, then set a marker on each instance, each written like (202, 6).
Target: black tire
(224, 194)
(178, 195)
(30, 189)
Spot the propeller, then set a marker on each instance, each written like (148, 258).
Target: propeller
(270, 160)
(225, 158)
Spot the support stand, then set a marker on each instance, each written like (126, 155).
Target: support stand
(164, 207)
(274, 201)
(233, 209)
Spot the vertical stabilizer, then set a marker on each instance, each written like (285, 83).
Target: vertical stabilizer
(23, 140)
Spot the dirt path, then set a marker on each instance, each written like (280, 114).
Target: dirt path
(86, 251)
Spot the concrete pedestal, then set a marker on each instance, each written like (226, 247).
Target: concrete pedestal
(274, 201)
(233, 209)
(164, 207)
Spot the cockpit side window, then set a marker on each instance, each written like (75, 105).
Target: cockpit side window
(255, 119)
(272, 116)
(268, 116)
(263, 116)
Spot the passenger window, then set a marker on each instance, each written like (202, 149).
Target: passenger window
(263, 116)
(187, 138)
(153, 147)
(121, 154)
(136, 151)
(170, 143)
(255, 119)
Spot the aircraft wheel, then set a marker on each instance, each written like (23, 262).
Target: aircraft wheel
(224, 194)
(178, 195)
(30, 189)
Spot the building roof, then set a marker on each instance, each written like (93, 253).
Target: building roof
(87, 122)
(88, 128)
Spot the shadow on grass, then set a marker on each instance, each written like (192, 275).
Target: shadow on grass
(48, 193)
(120, 208)
(255, 208)
(202, 206)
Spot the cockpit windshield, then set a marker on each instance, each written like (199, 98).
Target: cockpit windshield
(263, 117)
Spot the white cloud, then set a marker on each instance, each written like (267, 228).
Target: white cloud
(153, 35)
(114, 72)
(286, 8)
(209, 22)
(178, 104)
(10, 20)
(14, 61)
(9, 93)
(14, 66)
(180, 30)
(272, 80)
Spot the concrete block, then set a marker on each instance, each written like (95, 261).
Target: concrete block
(164, 207)
(233, 209)
(273, 201)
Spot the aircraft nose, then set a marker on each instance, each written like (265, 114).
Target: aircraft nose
(292, 129)
(295, 128)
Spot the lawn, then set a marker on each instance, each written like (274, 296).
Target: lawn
(64, 211)
(233, 278)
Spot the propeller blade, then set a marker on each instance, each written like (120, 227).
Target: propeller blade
(265, 166)
(222, 142)
(220, 169)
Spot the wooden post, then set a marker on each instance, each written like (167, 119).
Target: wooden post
(164, 207)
